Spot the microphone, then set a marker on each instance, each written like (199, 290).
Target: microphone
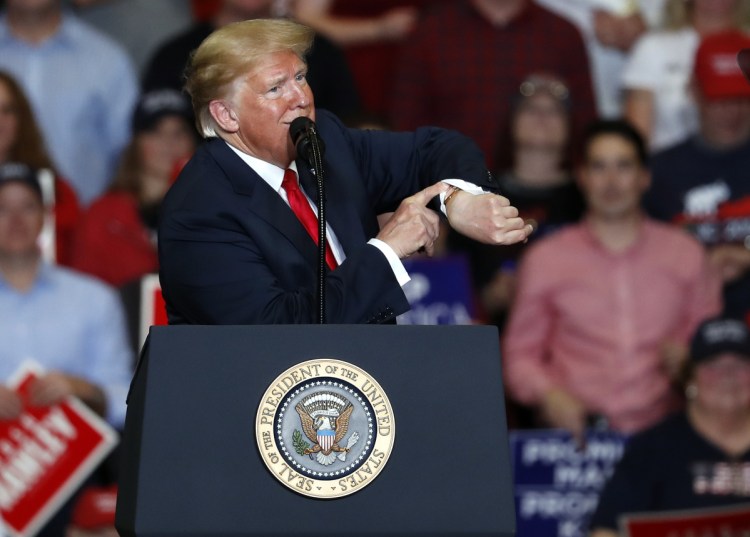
(303, 131)
(310, 147)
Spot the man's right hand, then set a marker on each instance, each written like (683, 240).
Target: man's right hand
(10, 404)
(413, 225)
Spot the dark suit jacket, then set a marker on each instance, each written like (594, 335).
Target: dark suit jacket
(232, 252)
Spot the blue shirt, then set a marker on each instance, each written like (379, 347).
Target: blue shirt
(83, 89)
(71, 323)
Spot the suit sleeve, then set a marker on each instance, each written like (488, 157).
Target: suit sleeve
(395, 165)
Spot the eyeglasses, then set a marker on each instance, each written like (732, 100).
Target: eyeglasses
(536, 84)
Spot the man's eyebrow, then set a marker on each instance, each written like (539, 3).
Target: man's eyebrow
(275, 80)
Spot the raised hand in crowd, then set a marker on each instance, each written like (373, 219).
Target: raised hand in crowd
(10, 403)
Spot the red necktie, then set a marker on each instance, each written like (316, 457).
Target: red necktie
(301, 207)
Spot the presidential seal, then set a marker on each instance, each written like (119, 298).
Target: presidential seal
(325, 428)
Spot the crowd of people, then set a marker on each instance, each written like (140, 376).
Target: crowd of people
(620, 128)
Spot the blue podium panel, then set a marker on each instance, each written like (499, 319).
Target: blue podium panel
(192, 465)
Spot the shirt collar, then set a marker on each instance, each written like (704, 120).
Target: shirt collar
(637, 245)
(68, 29)
(44, 277)
(45, 274)
(270, 173)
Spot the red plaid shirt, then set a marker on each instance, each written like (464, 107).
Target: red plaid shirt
(461, 72)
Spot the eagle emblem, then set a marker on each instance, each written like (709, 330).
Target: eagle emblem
(325, 421)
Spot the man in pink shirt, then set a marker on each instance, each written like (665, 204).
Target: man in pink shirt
(605, 307)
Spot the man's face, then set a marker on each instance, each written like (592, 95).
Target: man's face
(715, 8)
(33, 6)
(263, 105)
(21, 219)
(723, 383)
(725, 123)
(612, 178)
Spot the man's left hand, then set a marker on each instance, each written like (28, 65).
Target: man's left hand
(50, 389)
(53, 387)
(487, 218)
(730, 260)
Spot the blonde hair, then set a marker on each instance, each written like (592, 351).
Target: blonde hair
(678, 14)
(233, 51)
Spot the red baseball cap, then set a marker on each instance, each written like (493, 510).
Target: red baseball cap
(95, 508)
(717, 71)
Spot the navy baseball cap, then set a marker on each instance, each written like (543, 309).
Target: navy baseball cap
(17, 172)
(719, 335)
(160, 103)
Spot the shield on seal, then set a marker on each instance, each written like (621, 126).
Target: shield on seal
(326, 438)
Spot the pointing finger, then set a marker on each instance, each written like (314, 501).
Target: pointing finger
(423, 197)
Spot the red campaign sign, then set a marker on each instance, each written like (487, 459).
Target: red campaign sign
(45, 455)
(733, 521)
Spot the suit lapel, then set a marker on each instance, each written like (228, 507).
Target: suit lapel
(263, 201)
(340, 212)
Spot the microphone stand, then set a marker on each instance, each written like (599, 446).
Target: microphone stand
(317, 164)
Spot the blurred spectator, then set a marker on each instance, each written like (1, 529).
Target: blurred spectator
(702, 183)
(371, 34)
(697, 458)
(465, 62)
(393, 23)
(605, 307)
(203, 10)
(80, 83)
(21, 141)
(658, 71)
(609, 28)
(139, 25)
(68, 323)
(535, 173)
(116, 240)
(329, 75)
(94, 513)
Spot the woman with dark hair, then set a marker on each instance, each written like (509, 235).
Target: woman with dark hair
(700, 457)
(21, 141)
(535, 172)
(116, 240)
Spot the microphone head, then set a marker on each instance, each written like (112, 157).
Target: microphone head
(305, 138)
(299, 127)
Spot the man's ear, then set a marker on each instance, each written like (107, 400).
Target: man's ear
(223, 115)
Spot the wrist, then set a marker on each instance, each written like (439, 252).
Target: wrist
(449, 196)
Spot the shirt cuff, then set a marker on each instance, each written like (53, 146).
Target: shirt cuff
(396, 265)
(471, 188)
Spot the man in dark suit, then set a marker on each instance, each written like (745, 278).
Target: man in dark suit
(231, 249)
